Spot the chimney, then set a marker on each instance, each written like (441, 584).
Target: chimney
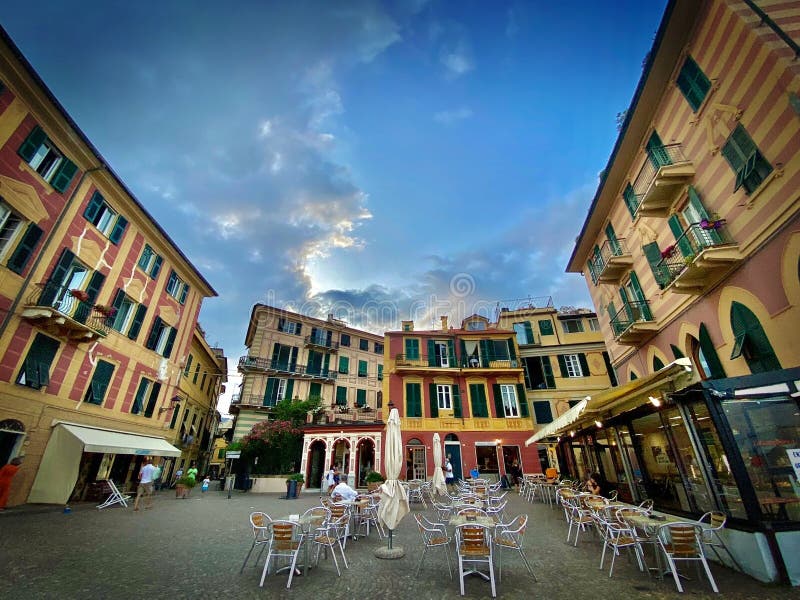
(444, 323)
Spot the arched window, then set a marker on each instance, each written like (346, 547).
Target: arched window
(705, 356)
(451, 437)
(676, 352)
(750, 341)
(657, 364)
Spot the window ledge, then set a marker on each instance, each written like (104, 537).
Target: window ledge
(48, 189)
(776, 173)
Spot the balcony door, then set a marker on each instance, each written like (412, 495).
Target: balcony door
(634, 300)
(442, 354)
(656, 152)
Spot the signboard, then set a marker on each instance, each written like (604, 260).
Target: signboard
(794, 458)
(233, 454)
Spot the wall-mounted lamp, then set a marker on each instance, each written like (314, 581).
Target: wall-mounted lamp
(172, 402)
(572, 434)
(599, 424)
(655, 401)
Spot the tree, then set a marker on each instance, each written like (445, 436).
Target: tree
(295, 411)
(273, 447)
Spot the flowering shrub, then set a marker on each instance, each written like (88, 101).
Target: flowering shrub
(79, 295)
(273, 447)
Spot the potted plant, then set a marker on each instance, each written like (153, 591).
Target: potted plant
(293, 483)
(106, 311)
(374, 480)
(668, 251)
(79, 295)
(183, 486)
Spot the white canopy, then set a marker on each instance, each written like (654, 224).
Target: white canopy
(439, 484)
(551, 428)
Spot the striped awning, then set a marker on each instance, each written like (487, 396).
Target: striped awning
(553, 427)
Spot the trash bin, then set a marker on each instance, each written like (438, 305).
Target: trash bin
(291, 488)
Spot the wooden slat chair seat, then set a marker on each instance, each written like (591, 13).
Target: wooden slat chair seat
(285, 541)
(474, 546)
(259, 522)
(434, 535)
(682, 541)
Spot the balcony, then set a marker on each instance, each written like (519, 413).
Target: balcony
(701, 257)
(250, 364)
(236, 399)
(404, 362)
(661, 179)
(57, 311)
(633, 323)
(614, 261)
(336, 415)
(321, 342)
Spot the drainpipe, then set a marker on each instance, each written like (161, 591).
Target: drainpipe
(45, 246)
(765, 20)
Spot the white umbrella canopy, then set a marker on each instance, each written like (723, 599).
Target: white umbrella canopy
(439, 484)
(394, 501)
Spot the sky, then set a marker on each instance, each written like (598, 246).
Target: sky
(375, 160)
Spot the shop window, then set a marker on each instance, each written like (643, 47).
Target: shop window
(751, 342)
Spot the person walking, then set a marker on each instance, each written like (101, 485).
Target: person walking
(157, 477)
(192, 473)
(178, 475)
(449, 479)
(6, 475)
(145, 485)
(330, 479)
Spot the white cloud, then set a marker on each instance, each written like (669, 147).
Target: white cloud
(447, 117)
(457, 63)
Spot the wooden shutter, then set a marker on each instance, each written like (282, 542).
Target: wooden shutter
(656, 152)
(637, 289)
(138, 399)
(118, 298)
(361, 398)
(184, 293)
(684, 243)
(341, 395)
(64, 175)
(631, 201)
(96, 202)
(170, 342)
(172, 282)
(138, 318)
(676, 352)
(528, 332)
(432, 359)
(152, 339)
(547, 370)
(32, 143)
(38, 361)
(298, 328)
(562, 364)
(475, 394)
(269, 394)
(100, 381)
(512, 353)
(151, 402)
(711, 235)
(584, 364)
(546, 327)
(498, 401)
(660, 270)
(119, 229)
(462, 348)
(147, 252)
(451, 353)
(287, 393)
(413, 400)
(24, 250)
(522, 399)
(457, 411)
(543, 411)
(486, 352)
(53, 286)
(433, 400)
(84, 308)
(362, 368)
(156, 266)
(710, 354)
(344, 365)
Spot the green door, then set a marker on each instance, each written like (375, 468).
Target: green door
(616, 248)
(656, 152)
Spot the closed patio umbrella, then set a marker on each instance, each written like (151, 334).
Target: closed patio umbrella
(439, 484)
(394, 501)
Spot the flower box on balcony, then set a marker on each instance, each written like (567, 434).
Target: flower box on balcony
(668, 251)
(106, 311)
(79, 295)
(708, 224)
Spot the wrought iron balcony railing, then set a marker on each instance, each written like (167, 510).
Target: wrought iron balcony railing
(659, 181)
(695, 239)
(630, 313)
(669, 154)
(64, 301)
(321, 341)
(467, 362)
(258, 363)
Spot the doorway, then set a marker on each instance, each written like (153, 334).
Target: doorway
(452, 448)
(365, 461)
(12, 432)
(511, 455)
(316, 464)
(416, 467)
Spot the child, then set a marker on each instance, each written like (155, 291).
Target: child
(204, 487)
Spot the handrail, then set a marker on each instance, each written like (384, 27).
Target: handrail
(630, 313)
(322, 341)
(467, 362)
(694, 239)
(266, 364)
(671, 152)
(52, 295)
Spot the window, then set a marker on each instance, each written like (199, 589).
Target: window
(363, 344)
(543, 411)
(362, 368)
(546, 327)
(287, 326)
(35, 371)
(509, 396)
(344, 340)
(126, 316)
(24, 250)
(538, 372)
(572, 325)
(380, 372)
(746, 160)
(408, 327)
(751, 342)
(344, 365)
(594, 324)
(412, 348)
(378, 348)
(161, 338)
(203, 382)
(573, 365)
(107, 221)
(693, 83)
(477, 396)
(176, 287)
(188, 367)
(524, 333)
(150, 262)
(284, 358)
(277, 390)
(175, 410)
(341, 396)
(443, 397)
(361, 398)
(413, 399)
(99, 384)
(658, 364)
(475, 326)
(10, 226)
(147, 392)
(196, 373)
(44, 158)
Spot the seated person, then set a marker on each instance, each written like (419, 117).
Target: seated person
(597, 485)
(345, 492)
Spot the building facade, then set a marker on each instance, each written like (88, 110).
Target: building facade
(691, 251)
(467, 384)
(97, 304)
(294, 356)
(564, 358)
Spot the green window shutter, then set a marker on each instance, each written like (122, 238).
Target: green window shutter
(547, 369)
(147, 252)
(380, 372)
(95, 283)
(643, 306)
(152, 339)
(136, 325)
(590, 267)
(170, 342)
(156, 267)
(498, 401)
(696, 203)
(584, 364)
(341, 395)
(433, 400)
(432, 353)
(315, 390)
(413, 400)
(657, 364)
(660, 270)
(486, 352)
(174, 420)
(512, 353)
(462, 348)
(24, 250)
(522, 399)
(287, 394)
(38, 361)
(676, 351)
(529, 332)
(31, 144)
(96, 202)
(184, 293)
(546, 327)
(151, 402)
(451, 353)
(187, 369)
(457, 412)
(631, 201)
(269, 395)
(693, 83)
(412, 348)
(119, 229)
(747, 329)
(543, 412)
(656, 152)
(119, 296)
(710, 354)
(138, 400)
(361, 398)
(344, 365)
(100, 380)
(562, 365)
(362, 368)
(53, 286)
(476, 397)
(612, 236)
(64, 175)
(684, 244)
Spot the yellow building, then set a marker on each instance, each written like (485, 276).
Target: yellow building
(691, 250)
(98, 304)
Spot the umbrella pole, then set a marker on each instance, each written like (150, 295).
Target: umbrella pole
(390, 539)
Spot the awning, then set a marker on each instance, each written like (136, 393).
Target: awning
(58, 470)
(108, 441)
(567, 418)
(616, 400)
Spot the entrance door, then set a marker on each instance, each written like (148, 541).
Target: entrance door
(316, 466)
(510, 456)
(454, 450)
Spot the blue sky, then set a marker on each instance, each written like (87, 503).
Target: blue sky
(377, 159)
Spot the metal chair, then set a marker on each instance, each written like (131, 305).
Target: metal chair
(510, 536)
(443, 511)
(474, 546)
(682, 541)
(434, 535)
(259, 522)
(285, 540)
(471, 511)
(368, 515)
(578, 517)
(329, 536)
(342, 512)
(497, 511)
(712, 537)
(647, 505)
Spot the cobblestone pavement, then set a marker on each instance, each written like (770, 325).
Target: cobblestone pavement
(194, 547)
